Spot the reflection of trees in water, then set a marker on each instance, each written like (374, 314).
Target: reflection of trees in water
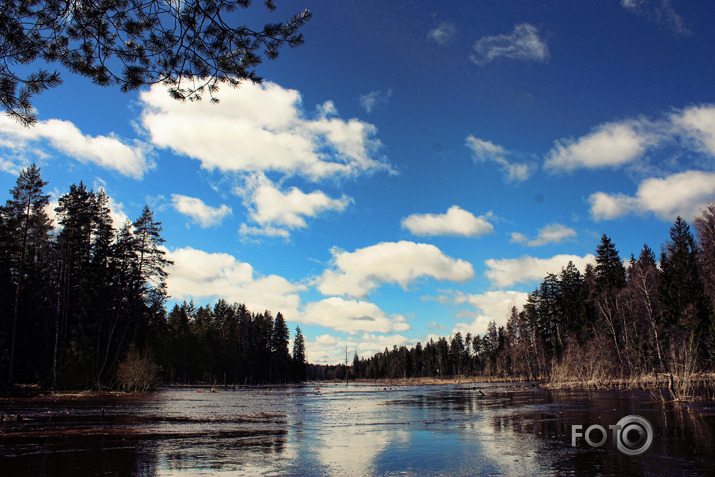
(347, 430)
(221, 452)
(683, 435)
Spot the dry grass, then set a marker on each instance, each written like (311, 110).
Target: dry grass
(439, 381)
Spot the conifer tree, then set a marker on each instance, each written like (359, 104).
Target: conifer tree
(27, 227)
(280, 355)
(685, 310)
(299, 362)
(190, 46)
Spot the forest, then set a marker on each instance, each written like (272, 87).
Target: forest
(83, 305)
(616, 320)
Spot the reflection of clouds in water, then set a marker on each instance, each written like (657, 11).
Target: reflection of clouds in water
(352, 451)
(355, 432)
(508, 451)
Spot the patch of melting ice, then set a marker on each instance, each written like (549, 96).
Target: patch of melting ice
(347, 430)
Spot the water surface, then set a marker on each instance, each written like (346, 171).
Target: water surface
(349, 430)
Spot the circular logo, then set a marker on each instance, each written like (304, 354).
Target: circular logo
(634, 435)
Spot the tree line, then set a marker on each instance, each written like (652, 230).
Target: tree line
(613, 320)
(77, 300)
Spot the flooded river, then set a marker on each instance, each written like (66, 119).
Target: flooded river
(352, 430)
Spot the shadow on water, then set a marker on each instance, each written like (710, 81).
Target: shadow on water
(350, 430)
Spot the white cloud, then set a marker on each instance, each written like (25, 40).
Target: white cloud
(370, 344)
(522, 44)
(358, 273)
(330, 349)
(491, 306)
(626, 142)
(204, 215)
(352, 316)
(552, 233)
(443, 33)
(373, 99)
(698, 123)
(456, 221)
(260, 128)
(109, 152)
(685, 194)
(660, 12)
(486, 151)
(119, 217)
(200, 274)
(610, 145)
(277, 212)
(509, 271)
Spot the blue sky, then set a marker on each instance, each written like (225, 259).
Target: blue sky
(412, 170)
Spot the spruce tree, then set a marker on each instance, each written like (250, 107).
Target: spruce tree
(685, 309)
(610, 272)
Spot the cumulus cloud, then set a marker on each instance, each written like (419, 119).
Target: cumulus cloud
(204, 215)
(456, 221)
(509, 271)
(116, 212)
(552, 233)
(278, 212)
(261, 128)
(200, 274)
(490, 306)
(627, 142)
(698, 124)
(609, 145)
(685, 194)
(443, 33)
(131, 159)
(352, 316)
(330, 349)
(521, 44)
(358, 273)
(486, 151)
(373, 99)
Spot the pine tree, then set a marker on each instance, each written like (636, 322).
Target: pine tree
(152, 260)
(133, 43)
(299, 362)
(280, 354)
(77, 318)
(25, 219)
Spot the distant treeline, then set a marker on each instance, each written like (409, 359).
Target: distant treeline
(228, 344)
(83, 304)
(612, 320)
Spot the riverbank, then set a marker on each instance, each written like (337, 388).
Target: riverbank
(664, 387)
(37, 393)
(440, 381)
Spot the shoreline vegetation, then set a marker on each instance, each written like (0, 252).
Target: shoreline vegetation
(83, 306)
